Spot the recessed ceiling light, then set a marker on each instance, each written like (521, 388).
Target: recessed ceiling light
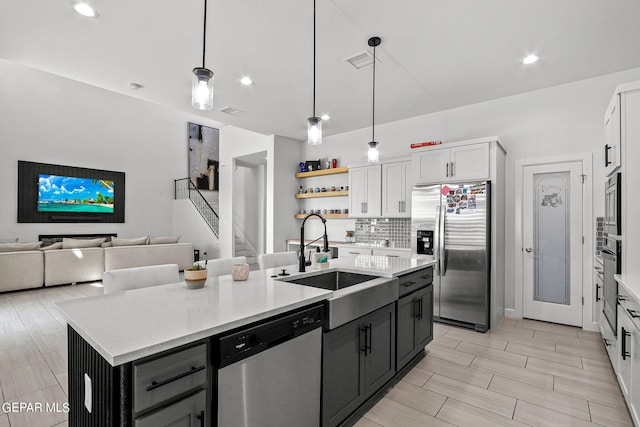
(85, 10)
(135, 86)
(530, 59)
(246, 81)
(325, 117)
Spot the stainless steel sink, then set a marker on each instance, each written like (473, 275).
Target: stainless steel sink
(354, 294)
(333, 280)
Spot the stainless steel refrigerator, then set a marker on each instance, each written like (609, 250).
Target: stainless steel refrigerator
(451, 222)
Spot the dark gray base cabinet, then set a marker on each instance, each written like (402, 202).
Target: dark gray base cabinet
(357, 359)
(415, 324)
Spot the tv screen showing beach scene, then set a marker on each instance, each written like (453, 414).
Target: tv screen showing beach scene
(71, 194)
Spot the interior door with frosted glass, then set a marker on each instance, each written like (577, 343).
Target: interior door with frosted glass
(552, 243)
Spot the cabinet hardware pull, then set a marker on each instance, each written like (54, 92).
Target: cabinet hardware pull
(624, 351)
(621, 298)
(193, 370)
(427, 277)
(606, 342)
(633, 313)
(447, 169)
(201, 418)
(369, 343)
(421, 316)
(416, 309)
(364, 347)
(407, 284)
(598, 293)
(606, 155)
(452, 173)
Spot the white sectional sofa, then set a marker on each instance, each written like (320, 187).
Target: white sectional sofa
(35, 268)
(117, 257)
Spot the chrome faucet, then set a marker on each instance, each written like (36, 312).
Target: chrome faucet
(302, 245)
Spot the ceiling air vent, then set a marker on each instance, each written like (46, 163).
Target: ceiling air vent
(232, 111)
(361, 60)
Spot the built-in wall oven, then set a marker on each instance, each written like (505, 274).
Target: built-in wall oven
(611, 256)
(613, 205)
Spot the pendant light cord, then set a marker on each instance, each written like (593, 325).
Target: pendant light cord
(204, 34)
(314, 58)
(373, 109)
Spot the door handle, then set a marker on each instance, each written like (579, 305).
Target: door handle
(201, 418)
(452, 170)
(624, 352)
(529, 250)
(447, 169)
(368, 342)
(606, 155)
(443, 261)
(364, 348)
(193, 370)
(416, 308)
(420, 306)
(598, 293)
(606, 342)
(633, 313)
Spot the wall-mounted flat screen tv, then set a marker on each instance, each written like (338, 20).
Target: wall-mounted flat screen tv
(72, 194)
(58, 194)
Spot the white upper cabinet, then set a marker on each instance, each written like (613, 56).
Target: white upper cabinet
(397, 180)
(612, 136)
(365, 190)
(459, 163)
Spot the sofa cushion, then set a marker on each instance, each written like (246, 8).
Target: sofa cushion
(129, 242)
(119, 257)
(68, 243)
(159, 240)
(17, 247)
(62, 266)
(53, 246)
(21, 270)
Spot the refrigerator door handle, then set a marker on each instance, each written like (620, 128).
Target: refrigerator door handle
(436, 238)
(443, 264)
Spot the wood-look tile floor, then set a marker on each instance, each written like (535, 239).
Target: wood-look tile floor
(33, 354)
(521, 373)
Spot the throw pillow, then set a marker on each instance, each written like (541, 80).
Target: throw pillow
(56, 245)
(9, 240)
(68, 243)
(129, 242)
(15, 247)
(163, 240)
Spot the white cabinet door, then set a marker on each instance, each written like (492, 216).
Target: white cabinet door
(373, 204)
(469, 162)
(408, 184)
(634, 401)
(357, 192)
(625, 328)
(612, 136)
(365, 188)
(431, 166)
(397, 180)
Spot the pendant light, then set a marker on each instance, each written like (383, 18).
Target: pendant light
(314, 124)
(373, 154)
(202, 82)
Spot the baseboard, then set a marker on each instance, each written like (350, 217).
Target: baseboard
(593, 326)
(511, 313)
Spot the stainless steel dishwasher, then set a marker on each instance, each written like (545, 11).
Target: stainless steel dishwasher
(269, 374)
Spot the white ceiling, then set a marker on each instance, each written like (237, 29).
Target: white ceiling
(435, 54)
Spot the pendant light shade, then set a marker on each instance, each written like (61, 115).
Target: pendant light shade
(202, 81)
(314, 131)
(314, 123)
(373, 155)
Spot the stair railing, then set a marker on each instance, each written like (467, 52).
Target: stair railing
(185, 189)
(239, 233)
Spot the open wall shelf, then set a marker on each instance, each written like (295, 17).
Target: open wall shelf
(325, 194)
(322, 172)
(325, 216)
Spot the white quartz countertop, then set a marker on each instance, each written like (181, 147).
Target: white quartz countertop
(126, 326)
(631, 282)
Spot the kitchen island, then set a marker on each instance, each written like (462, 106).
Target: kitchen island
(116, 338)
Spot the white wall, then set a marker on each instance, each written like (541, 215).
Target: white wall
(50, 119)
(191, 227)
(249, 202)
(287, 157)
(561, 120)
